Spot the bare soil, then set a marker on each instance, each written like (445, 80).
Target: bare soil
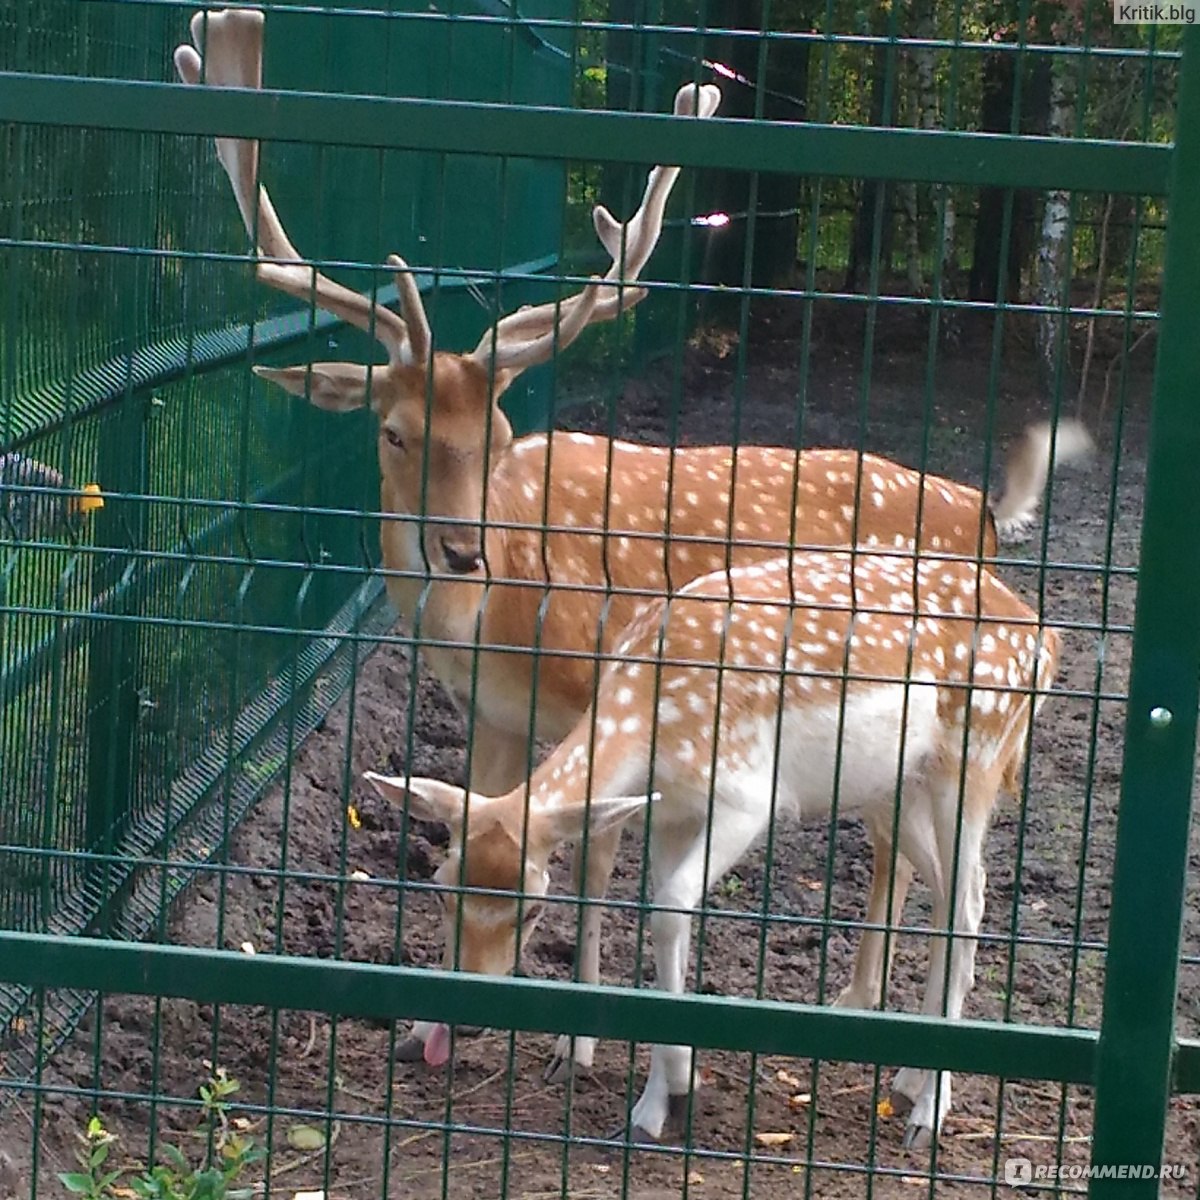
(341, 1076)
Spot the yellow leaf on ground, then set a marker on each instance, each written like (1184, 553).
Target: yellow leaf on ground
(305, 1137)
(90, 498)
(884, 1109)
(773, 1139)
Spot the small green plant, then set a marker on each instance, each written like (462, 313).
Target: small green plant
(173, 1177)
(93, 1181)
(731, 886)
(176, 1179)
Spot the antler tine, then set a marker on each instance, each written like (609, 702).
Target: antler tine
(232, 41)
(574, 317)
(629, 246)
(420, 337)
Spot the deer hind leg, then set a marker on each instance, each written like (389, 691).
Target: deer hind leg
(926, 1094)
(680, 878)
(868, 988)
(499, 761)
(577, 1053)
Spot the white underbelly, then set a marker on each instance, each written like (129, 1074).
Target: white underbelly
(858, 752)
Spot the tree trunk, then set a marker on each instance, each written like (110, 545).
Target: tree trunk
(873, 192)
(622, 91)
(912, 238)
(925, 116)
(1052, 282)
(999, 91)
(775, 200)
(995, 117)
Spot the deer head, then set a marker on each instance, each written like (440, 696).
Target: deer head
(440, 427)
(497, 850)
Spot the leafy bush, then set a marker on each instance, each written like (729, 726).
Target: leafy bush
(173, 1177)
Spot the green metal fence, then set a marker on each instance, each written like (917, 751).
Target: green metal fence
(164, 659)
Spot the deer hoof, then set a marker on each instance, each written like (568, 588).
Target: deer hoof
(917, 1137)
(561, 1070)
(677, 1113)
(410, 1050)
(637, 1136)
(572, 1059)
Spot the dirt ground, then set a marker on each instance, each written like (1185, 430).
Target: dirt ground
(340, 1076)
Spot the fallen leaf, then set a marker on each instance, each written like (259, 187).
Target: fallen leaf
(813, 885)
(800, 1100)
(242, 1124)
(353, 817)
(90, 499)
(773, 1139)
(1038, 905)
(361, 876)
(305, 1137)
(787, 1079)
(694, 1177)
(248, 948)
(707, 1076)
(884, 1109)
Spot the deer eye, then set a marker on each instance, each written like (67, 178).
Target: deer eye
(393, 438)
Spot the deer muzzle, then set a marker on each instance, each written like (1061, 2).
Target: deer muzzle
(462, 558)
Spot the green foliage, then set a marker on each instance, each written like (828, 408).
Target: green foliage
(220, 1177)
(92, 1181)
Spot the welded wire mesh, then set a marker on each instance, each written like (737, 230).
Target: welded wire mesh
(186, 696)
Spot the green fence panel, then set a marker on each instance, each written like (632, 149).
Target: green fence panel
(911, 229)
(157, 656)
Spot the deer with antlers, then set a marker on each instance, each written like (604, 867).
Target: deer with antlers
(520, 558)
(902, 691)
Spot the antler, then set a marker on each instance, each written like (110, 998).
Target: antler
(530, 335)
(231, 42)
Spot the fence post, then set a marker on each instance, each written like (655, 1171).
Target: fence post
(1149, 875)
(113, 701)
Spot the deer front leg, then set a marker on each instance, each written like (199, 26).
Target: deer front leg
(681, 876)
(499, 762)
(577, 1053)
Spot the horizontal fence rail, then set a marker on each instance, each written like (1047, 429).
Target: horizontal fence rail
(463, 128)
(193, 573)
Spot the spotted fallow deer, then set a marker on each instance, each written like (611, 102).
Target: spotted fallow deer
(907, 694)
(552, 540)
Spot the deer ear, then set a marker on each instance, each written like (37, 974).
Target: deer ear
(426, 799)
(603, 813)
(334, 386)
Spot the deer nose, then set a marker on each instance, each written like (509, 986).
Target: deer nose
(462, 561)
